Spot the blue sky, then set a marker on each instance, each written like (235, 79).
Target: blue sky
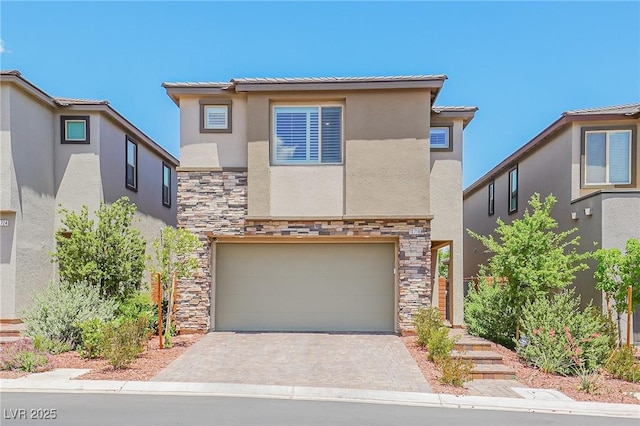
(521, 63)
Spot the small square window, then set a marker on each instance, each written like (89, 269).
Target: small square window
(440, 138)
(74, 129)
(215, 116)
(166, 185)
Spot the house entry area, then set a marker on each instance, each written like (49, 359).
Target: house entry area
(304, 286)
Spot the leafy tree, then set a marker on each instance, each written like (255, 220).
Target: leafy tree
(616, 272)
(531, 256)
(174, 253)
(106, 252)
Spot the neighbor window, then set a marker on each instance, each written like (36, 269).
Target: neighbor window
(166, 185)
(132, 165)
(513, 190)
(492, 197)
(607, 157)
(307, 135)
(439, 137)
(215, 116)
(74, 129)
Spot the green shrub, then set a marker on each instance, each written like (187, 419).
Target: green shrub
(22, 355)
(91, 332)
(455, 371)
(559, 338)
(123, 340)
(427, 321)
(440, 345)
(60, 307)
(54, 347)
(489, 313)
(139, 304)
(622, 364)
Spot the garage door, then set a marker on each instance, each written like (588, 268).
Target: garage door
(304, 287)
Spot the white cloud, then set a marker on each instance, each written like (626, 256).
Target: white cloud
(2, 48)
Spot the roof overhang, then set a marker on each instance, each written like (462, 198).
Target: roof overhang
(466, 113)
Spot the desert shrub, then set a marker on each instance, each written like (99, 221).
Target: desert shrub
(24, 356)
(455, 371)
(559, 338)
(123, 340)
(60, 307)
(440, 345)
(427, 321)
(622, 364)
(489, 313)
(54, 347)
(139, 304)
(91, 332)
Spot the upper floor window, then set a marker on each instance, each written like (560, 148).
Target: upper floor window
(607, 157)
(307, 134)
(215, 116)
(131, 171)
(74, 128)
(513, 190)
(492, 197)
(440, 137)
(166, 185)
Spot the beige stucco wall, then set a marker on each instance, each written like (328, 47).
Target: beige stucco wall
(29, 190)
(213, 149)
(386, 157)
(446, 207)
(306, 191)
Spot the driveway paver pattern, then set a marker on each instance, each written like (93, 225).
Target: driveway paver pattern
(356, 361)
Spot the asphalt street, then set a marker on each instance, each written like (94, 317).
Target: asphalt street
(69, 409)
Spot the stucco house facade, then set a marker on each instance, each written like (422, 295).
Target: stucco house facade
(69, 152)
(588, 159)
(319, 201)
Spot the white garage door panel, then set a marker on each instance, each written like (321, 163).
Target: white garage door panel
(304, 287)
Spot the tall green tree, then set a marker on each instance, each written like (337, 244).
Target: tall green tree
(106, 252)
(531, 256)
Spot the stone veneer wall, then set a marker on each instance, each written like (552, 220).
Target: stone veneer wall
(216, 202)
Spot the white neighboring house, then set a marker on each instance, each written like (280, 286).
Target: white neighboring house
(69, 152)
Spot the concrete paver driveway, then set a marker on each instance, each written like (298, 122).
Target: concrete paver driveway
(357, 361)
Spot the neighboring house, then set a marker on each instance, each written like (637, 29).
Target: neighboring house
(588, 159)
(319, 201)
(68, 152)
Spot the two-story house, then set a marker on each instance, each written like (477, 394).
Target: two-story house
(588, 159)
(319, 201)
(67, 152)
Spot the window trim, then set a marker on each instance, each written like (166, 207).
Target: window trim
(491, 193)
(216, 102)
(166, 203)
(439, 125)
(63, 129)
(583, 156)
(511, 191)
(128, 140)
(319, 105)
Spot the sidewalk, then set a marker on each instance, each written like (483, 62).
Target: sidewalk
(533, 400)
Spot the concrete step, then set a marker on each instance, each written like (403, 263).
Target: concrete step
(8, 339)
(492, 371)
(11, 328)
(478, 357)
(472, 344)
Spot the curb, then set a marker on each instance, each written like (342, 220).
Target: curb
(322, 394)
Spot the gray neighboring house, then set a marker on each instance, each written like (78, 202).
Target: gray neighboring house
(69, 152)
(588, 159)
(320, 201)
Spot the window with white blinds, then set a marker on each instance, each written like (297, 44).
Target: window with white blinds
(439, 137)
(216, 117)
(307, 135)
(608, 157)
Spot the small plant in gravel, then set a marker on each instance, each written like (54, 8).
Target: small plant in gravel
(622, 364)
(123, 341)
(24, 356)
(440, 345)
(455, 371)
(427, 321)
